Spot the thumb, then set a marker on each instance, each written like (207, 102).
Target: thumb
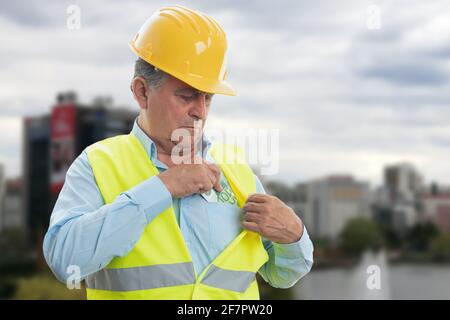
(217, 173)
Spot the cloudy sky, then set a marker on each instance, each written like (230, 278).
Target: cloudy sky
(350, 91)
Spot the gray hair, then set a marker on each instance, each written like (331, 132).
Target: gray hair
(151, 74)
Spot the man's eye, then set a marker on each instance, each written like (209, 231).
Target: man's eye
(189, 98)
(186, 98)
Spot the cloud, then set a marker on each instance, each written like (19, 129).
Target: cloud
(28, 13)
(345, 99)
(407, 74)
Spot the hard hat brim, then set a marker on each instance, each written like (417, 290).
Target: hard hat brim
(195, 81)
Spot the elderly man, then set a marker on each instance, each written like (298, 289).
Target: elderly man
(141, 224)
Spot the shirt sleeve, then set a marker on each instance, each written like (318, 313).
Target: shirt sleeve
(87, 233)
(287, 263)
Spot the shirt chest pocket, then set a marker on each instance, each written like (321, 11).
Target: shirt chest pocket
(225, 222)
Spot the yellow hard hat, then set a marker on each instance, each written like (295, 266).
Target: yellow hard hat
(187, 45)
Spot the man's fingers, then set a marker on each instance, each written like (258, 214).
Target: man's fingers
(216, 183)
(254, 207)
(257, 197)
(205, 186)
(214, 180)
(212, 166)
(252, 226)
(218, 186)
(212, 177)
(252, 217)
(216, 171)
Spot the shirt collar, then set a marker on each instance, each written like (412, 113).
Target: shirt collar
(150, 146)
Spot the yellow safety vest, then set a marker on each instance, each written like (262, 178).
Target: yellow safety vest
(160, 266)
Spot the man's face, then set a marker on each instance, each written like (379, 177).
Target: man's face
(176, 105)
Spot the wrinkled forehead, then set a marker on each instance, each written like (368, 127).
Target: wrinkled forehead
(190, 91)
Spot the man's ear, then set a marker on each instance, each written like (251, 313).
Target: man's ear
(141, 91)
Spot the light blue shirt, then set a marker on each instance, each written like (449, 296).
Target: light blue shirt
(86, 232)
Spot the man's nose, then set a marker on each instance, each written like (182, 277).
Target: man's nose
(198, 109)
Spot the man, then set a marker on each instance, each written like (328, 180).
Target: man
(141, 225)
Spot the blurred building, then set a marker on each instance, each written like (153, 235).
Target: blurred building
(329, 203)
(36, 163)
(2, 193)
(294, 197)
(299, 199)
(398, 200)
(51, 143)
(11, 211)
(436, 208)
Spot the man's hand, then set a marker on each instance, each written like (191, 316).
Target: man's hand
(272, 219)
(186, 179)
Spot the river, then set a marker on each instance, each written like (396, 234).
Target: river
(373, 278)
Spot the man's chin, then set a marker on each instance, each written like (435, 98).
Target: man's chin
(193, 129)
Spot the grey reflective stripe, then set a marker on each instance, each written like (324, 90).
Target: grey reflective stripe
(228, 279)
(141, 278)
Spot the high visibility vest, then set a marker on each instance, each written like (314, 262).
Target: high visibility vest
(159, 266)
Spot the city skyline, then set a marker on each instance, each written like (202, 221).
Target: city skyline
(427, 183)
